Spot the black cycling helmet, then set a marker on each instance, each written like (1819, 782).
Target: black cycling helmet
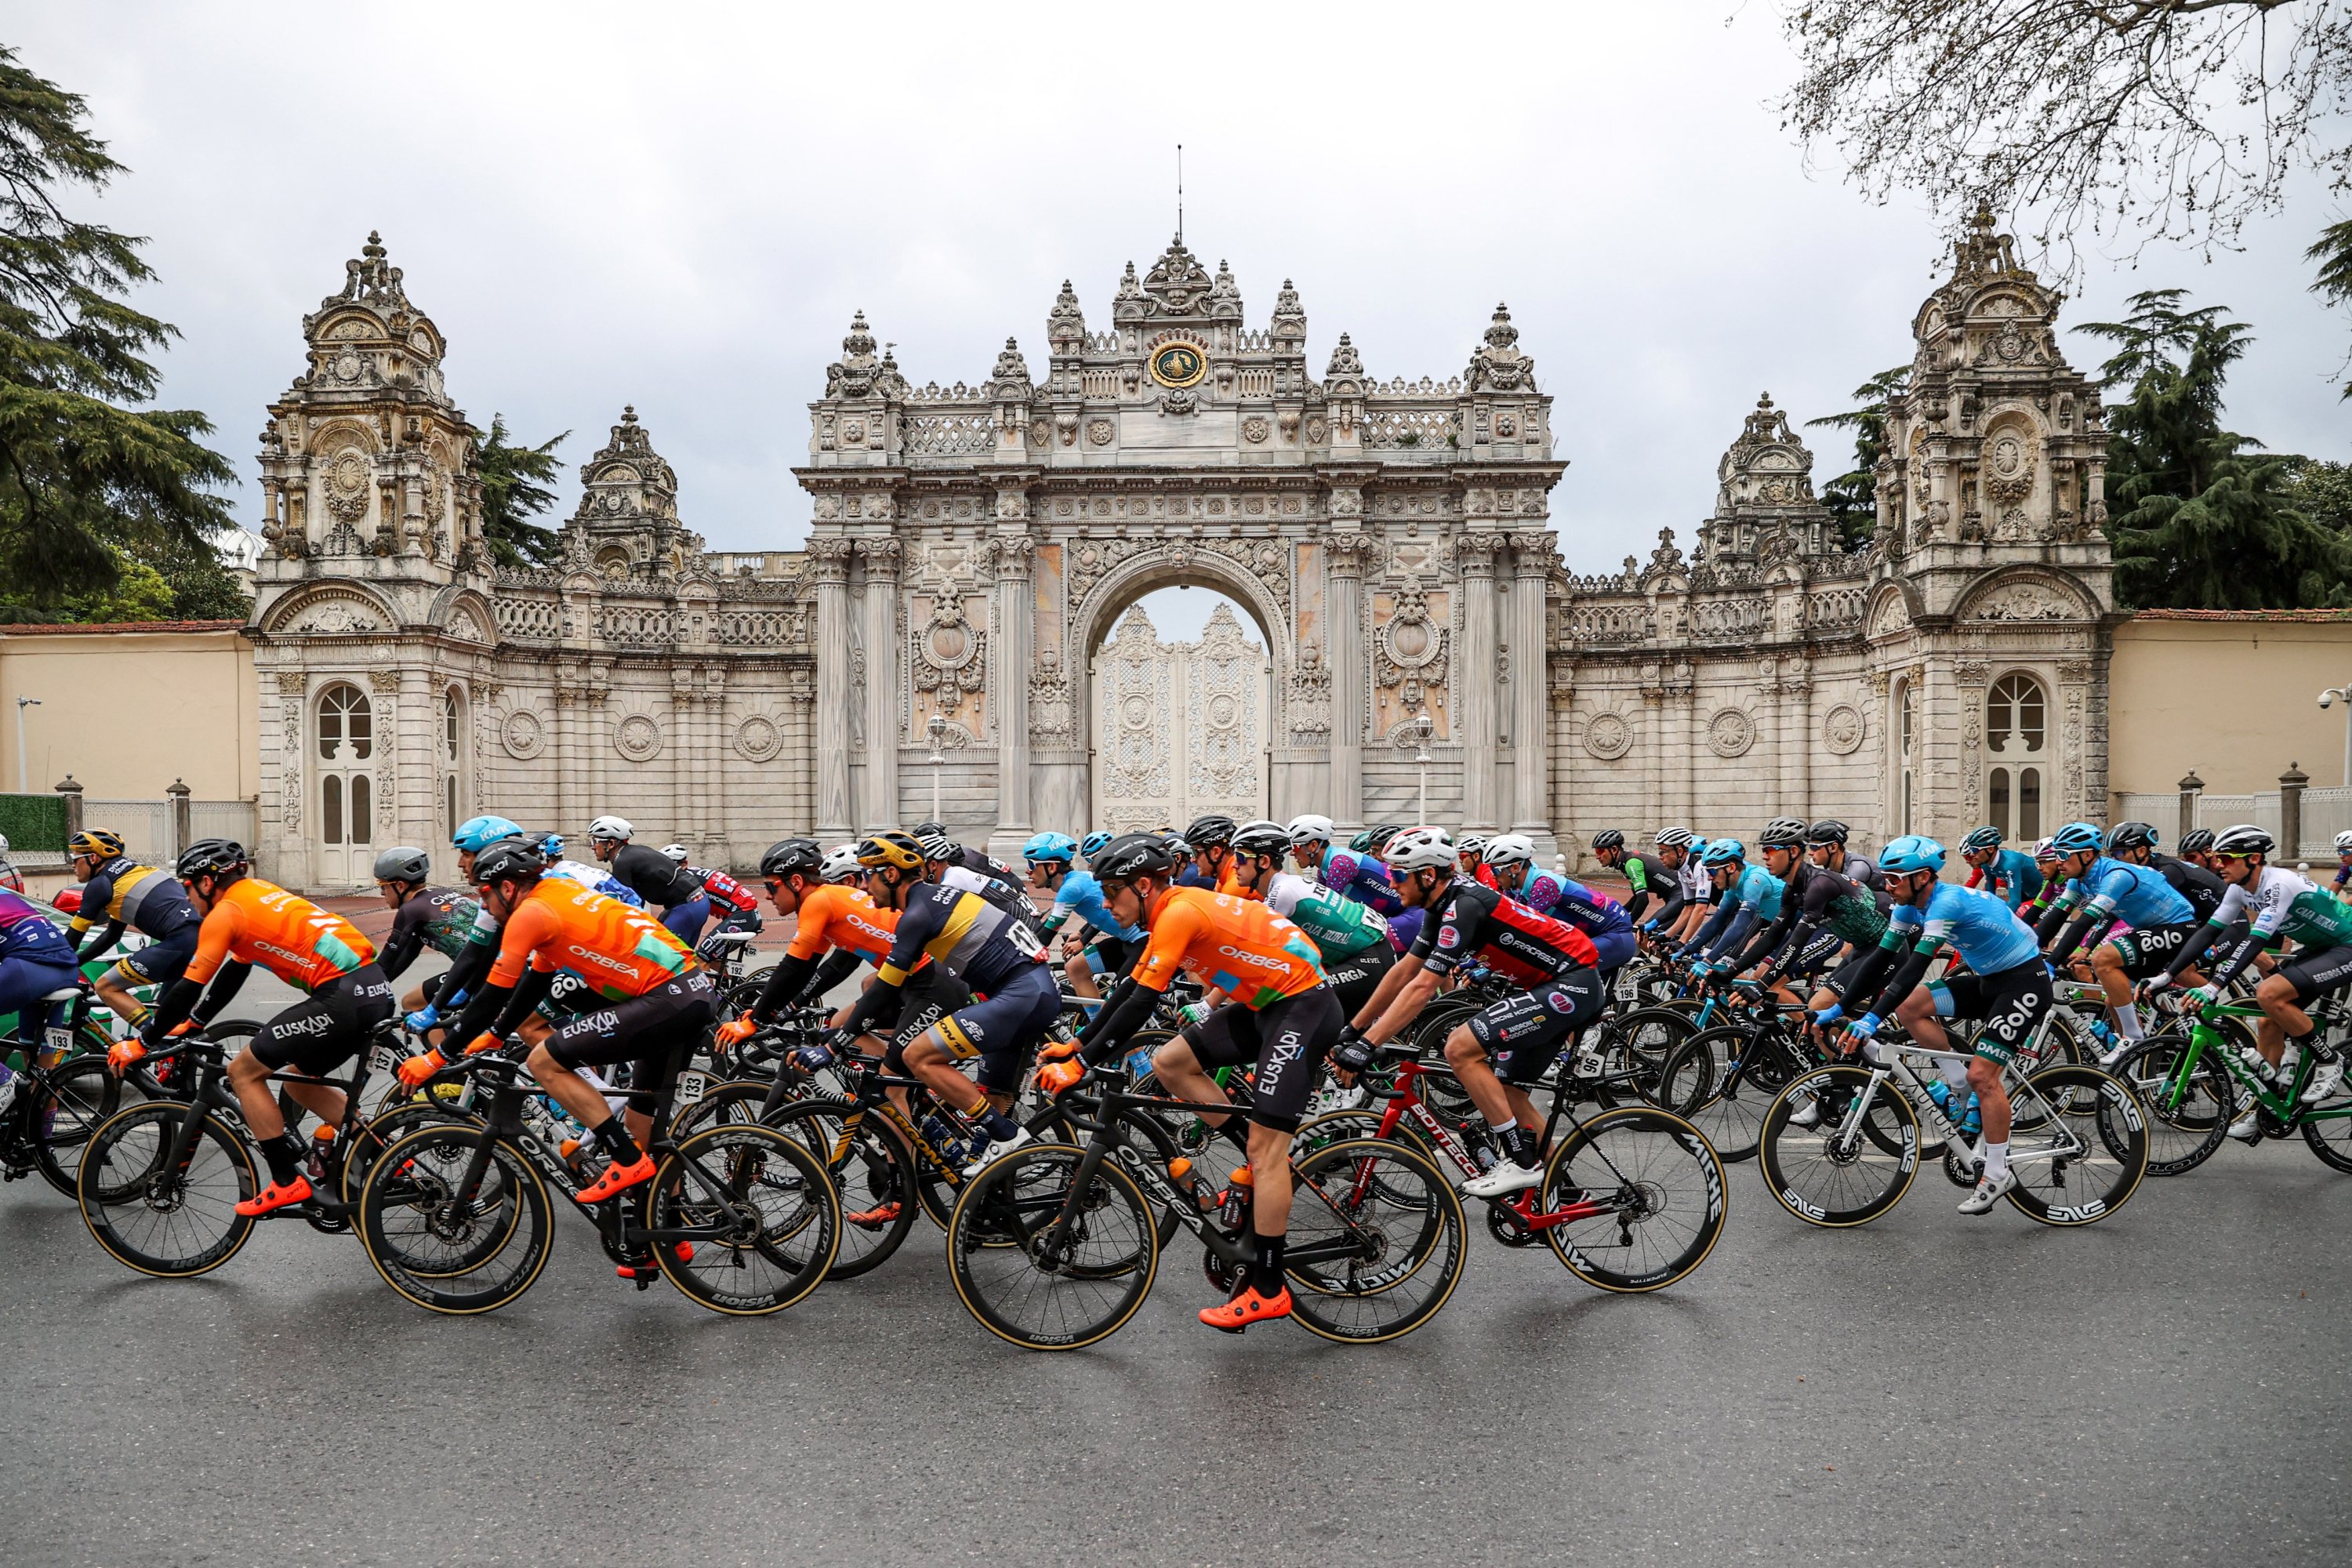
(2197, 841)
(1214, 831)
(1132, 855)
(792, 857)
(508, 860)
(1609, 839)
(2132, 835)
(923, 830)
(1267, 838)
(211, 857)
(1781, 833)
(1828, 830)
(402, 864)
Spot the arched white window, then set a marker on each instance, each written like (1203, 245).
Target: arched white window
(2017, 755)
(346, 742)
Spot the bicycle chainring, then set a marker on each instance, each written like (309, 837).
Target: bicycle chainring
(1508, 1225)
(1225, 1276)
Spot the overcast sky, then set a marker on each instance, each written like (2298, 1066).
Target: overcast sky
(679, 207)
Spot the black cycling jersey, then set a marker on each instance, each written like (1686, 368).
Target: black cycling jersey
(1472, 923)
(1816, 898)
(979, 942)
(440, 917)
(1652, 883)
(122, 894)
(2201, 887)
(654, 876)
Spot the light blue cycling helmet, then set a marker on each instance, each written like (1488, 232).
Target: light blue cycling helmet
(1982, 838)
(2076, 838)
(1094, 844)
(1911, 853)
(1050, 847)
(476, 833)
(1723, 852)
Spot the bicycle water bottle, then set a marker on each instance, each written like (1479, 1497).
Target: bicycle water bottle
(1941, 1093)
(322, 1139)
(1237, 1199)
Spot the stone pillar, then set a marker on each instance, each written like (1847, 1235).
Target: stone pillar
(182, 819)
(1350, 671)
(1529, 690)
(884, 724)
(70, 788)
(1014, 627)
(829, 564)
(2191, 787)
(1476, 697)
(2291, 787)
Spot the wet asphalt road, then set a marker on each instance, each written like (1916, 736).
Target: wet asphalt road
(2167, 1386)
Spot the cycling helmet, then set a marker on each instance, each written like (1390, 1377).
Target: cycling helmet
(1050, 847)
(1981, 838)
(1214, 831)
(1782, 833)
(794, 858)
(550, 844)
(1472, 844)
(840, 863)
(1174, 840)
(2200, 841)
(1723, 852)
(1309, 830)
(611, 830)
(2343, 842)
(2243, 839)
(1414, 848)
(676, 853)
(477, 834)
(210, 857)
(1270, 839)
(924, 829)
(97, 842)
(2077, 839)
(1092, 845)
(935, 846)
(1377, 839)
(1672, 838)
(2042, 851)
(1609, 839)
(402, 864)
(890, 848)
(509, 860)
(1133, 855)
(2132, 835)
(1507, 849)
(1828, 830)
(1911, 853)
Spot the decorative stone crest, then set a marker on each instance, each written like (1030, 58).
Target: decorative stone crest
(1730, 733)
(637, 737)
(950, 655)
(757, 740)
(1607, 737)
(1842, 729)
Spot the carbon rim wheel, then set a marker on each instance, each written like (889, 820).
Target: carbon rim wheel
(1852, 1164)
(873, 1175)
(774, 1207)
(80, 1096)
(2074, 1167)
(1664, 1193)
(443, 1254)
(1059, 1286)
(1377, 1241)
(1726, 1103)
(2187, 1117)
(2329, 1134)
(170, 1221)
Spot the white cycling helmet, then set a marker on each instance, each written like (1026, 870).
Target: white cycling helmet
(1471, 843)
(1309, 830)
(1417, 847)
(2343, 843)
(611, 830)
(1673, 838)
(676, 853)
(840, 863)
(1510, 850)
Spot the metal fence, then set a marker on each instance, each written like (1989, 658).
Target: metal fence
(238, 819)
(145, 826)
(149, 828)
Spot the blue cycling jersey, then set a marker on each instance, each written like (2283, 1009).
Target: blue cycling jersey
(1539, 891)
(25, 933)
(2015, 876)
(2137, 895)
(1594, 914)
(1757, 889)
(1082, 896)
(1360, 878)
(1978, 925)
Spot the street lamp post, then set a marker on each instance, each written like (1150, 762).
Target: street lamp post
(1420, 728)
(2327, 698)
(22, 703)
(938, 728)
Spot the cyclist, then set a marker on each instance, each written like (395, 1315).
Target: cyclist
(988, 943)
(1821, 913)
(1351, 872)
(1077, 893)
(2009, 872)
(1749, 898)
(736, 906)
(945, 855)
(247, 921)
(1825, 845)
(119, 894)
(440, 918)
(2197, 849)
(2343, 864)
(1500, 1050)
(2007, 986)
(2281, 905)
(36, 959)
(2105, 889)
(1683, 850)
(651, 875)
(1652, 881)
(1506, 863)
(836, 923)
(1352, 938)
(1511, 860)
(840, 866)
(1280, 1024)
(1471, 849)
(466, 969)
(1211, 839)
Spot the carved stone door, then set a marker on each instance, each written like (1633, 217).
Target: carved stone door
(1179, 727)
(342, 852)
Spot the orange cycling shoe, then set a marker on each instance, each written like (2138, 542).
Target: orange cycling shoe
(275, 1196)
(618, 1179)
(1246, 1309)
(682, 1251)
(1055, 1076)
(873, 1218)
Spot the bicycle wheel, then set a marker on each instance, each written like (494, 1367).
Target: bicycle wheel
(447, 1252)
(1724, 1101)
(1662, 1193)
(1377, 1240)
(162, 1219)
(2074, 1168)
(774, 1208)
(81, 1095)
(1060, 1286)
(873, 1173)
(2329, 1133)
(1854, 1162)
(2189, 1108)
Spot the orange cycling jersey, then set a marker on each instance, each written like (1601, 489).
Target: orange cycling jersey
(1240, 946)
(618, 952)
(844, 917)
(253, 921)
(1229, 877)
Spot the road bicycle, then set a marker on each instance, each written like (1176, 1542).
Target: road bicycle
(62, 1092)
(2192, 1088)
(455, 1215)
(1840, 1144)
(1055, 1246)
(1622, 1052)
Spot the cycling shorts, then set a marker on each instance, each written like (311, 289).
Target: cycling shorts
(1820, 949)
(2011, 1002)
(1616, 949)
(2317, 973)
(1002, 1027)
(1843, 979)
(1354, 978)
(658, 1031)
(328, 1027)
(162, 961)
(1110, 956)
(686, 920)
(1523, 1032)
(929, 995)
(1282, 1044)
(24, 982)
(2150, 949)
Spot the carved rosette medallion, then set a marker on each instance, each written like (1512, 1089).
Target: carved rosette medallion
(637, 737)
(758, 739)
(1842, 729)
(1730, 733)
(1607, 737)
(524, 734)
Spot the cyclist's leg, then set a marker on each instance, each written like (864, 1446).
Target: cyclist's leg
(686, 920)
(1187, 1066)
(158, 964)
(1501, 1049)
(23, 982)
(929, 995)
(1294, 1036)
(1008, 1021)
(1921, 1013)
(314, 1037)
(612, 1034)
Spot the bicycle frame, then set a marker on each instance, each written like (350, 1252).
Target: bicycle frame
(1912, 1084)
(208, 1097)
(2285, 1105)
(1405, 1102)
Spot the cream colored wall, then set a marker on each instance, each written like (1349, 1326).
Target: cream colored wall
(127, 712)
(2235, 701)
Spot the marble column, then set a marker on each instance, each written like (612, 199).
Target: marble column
(1013, 636)
(1475, 698)
(885, 724)
(1350, 671)
(1530, 690)
(829, 566)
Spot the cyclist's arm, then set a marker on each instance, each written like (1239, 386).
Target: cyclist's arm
(1909, 970)
(1398, 1000)
(1873, 966)
(1713, 926)
(2053, 916)
(108, 935)
(407, 938)
(211, 967)
(1126, 1009)
(1776, 937)
(917, 927)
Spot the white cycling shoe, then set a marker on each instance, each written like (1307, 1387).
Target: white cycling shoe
(1990, 1191)
(1809, 1114)
(2325, 1080)
(1507, 1176)
(997, 1149)
(2248, 1128)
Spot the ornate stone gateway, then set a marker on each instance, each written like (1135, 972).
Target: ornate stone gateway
(1181, 730)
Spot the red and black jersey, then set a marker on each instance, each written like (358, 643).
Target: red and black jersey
(1473, 924)
(725, 890)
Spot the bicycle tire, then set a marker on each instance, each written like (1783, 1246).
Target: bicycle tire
(1695, 1085)
(2183, 1131)
(873, 1174)
(2121, 1134)
(1866, 1181)
(2334, 1152)
(1021, 1195)
(81, 1094)
(404, 1208)
(1639, 1137)
(121, 1176)
(1343, 1181)
(785, 1215)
